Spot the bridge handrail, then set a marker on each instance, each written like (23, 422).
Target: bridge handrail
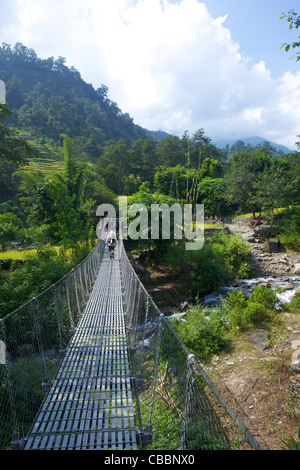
(53, 285)
(193, 362)
(33, 340)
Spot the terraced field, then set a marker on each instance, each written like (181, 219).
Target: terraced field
(48, 159)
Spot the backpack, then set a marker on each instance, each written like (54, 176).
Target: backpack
(111, 242)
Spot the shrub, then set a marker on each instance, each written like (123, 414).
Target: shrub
(256, 313)
(203, 271)
(295, 302)
(235, 305)
(258, 309)
(204, 334)
(289, 227)
(235, 252)
(265, 296)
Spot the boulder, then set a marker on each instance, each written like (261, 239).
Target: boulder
(294, 384)
(273, 245)
(297, 268)
(289, 287)
(259, 338)
(266, 231)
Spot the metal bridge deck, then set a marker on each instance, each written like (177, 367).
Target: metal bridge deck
(89, 404)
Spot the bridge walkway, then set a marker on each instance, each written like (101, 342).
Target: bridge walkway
(89, 404)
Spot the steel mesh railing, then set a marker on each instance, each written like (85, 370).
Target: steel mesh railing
(177, 405)
(34, 339)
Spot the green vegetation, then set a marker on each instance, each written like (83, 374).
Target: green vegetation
(208, 332)
(291, 443)
(259, 309)
(66, 148)
(203, 333)
(293, 19)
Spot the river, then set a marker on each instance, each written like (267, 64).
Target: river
(284, 286)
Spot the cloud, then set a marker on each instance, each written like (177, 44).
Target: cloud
(169, 64)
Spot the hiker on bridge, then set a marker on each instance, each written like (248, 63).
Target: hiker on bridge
(111, 242)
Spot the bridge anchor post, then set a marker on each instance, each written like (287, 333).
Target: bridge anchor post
(46, 384)
(145, 437)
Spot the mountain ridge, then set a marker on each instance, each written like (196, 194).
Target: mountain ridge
(252, 140)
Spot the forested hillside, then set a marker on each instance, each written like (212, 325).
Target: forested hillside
(49, 99)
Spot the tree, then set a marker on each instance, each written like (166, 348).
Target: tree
(245, 167)
(27, 185)
(146, 199)
(64, 203)
(294, 21)
(275, 188)
(14, 92)
(113, 165)
(171, 152)
(142, 159)
(212, 193)
(210, 168)
(12, 149)
(171, 182)
(10, 224)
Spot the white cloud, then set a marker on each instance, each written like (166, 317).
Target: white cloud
(170, 65)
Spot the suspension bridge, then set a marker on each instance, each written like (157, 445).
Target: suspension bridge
(92, 364)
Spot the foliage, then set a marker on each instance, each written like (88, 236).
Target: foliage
(295, 302)
(291, 443)
(257, 310)
(10, 226)
(203, 333)
(204, 271)
(212, 193)
(236, 253)
(28, 280)
(294, 22)
(141, 203)
(12, 149)
(171, 181)
(275, 187)
(48, 99)
(288, 223)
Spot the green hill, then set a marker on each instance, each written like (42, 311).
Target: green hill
(48, 99)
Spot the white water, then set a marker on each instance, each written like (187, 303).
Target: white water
(278, 284)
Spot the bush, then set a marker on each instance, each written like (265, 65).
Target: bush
(30, 279)
(235, 305)
(256, 314)
(258, 309)
(265, 296)
(289, 227)
(235, 252)
(203, 334)
(295, 302)
(203, 271)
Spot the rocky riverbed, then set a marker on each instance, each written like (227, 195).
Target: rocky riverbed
(265, 262)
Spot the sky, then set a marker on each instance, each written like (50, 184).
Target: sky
(175, 65)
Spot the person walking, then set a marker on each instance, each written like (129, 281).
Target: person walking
(111, 242)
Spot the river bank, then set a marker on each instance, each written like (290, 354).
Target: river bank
(255, 375)
(264, 261)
